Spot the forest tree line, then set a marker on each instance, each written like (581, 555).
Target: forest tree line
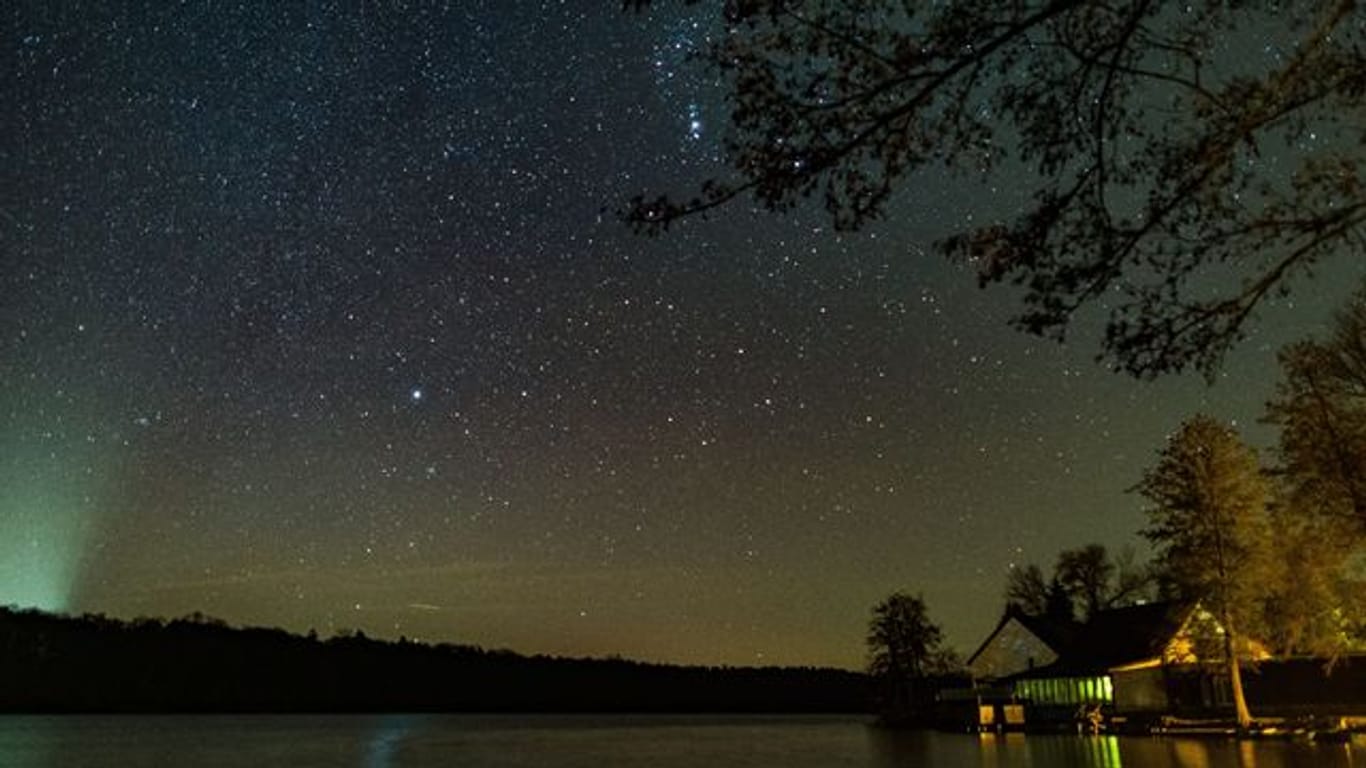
(91, 663)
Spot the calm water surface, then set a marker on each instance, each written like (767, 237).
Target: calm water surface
(403, 741)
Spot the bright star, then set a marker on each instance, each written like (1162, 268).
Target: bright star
(416, 394)
(694, 122)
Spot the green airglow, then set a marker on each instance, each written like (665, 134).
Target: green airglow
(49, 495)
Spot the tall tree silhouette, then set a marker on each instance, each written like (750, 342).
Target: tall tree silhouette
(904, 648)
(1179, 180)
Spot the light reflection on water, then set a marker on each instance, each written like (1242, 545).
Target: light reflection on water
(1090, 751)
(512, 741)
(385, 739)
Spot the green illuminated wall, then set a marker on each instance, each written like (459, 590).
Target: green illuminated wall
(1070, 691)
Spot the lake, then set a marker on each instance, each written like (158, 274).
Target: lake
(520, 741)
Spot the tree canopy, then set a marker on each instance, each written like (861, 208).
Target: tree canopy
(1183, 175)
(1320, 406)
(1031, 592)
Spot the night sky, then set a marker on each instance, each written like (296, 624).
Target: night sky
(323, 318)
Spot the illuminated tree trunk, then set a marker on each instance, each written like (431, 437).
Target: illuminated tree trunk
(1235, 678)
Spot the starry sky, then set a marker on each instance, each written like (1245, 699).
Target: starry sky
(319, 315)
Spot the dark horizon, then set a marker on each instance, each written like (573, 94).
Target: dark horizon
(201, 619)
(92, 664)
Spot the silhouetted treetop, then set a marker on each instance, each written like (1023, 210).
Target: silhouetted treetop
(1084, 581)
(1185, 168)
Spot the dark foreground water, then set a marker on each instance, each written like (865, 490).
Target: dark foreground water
(394, 741)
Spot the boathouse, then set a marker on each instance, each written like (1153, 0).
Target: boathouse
(1141, 660)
